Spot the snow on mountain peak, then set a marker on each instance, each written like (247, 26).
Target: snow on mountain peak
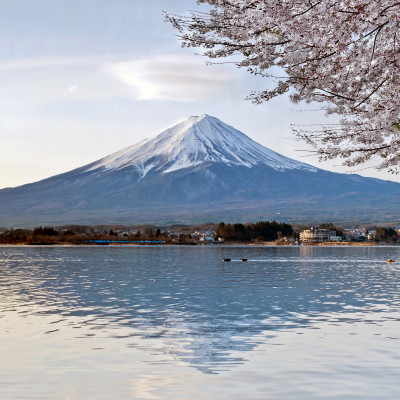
(196, 140)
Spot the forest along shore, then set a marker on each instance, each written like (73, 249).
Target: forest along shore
(262, 233)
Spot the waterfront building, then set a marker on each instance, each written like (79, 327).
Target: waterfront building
(317, 235)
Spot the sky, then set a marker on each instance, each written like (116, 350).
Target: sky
(81, 79)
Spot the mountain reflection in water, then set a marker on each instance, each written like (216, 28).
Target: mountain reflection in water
(186, 302)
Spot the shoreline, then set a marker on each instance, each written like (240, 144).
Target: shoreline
(228, 244)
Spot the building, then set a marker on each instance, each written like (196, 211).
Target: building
(317, 235)
(207, 239)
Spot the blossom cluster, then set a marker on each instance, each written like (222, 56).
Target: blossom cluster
(343, 54)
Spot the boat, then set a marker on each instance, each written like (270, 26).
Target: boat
(243, 259)
(226, 259)
(390, 260)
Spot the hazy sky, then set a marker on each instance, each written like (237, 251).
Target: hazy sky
(81, 79)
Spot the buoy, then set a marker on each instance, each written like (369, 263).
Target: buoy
(226, 259)
(243, 259)
(390, 260)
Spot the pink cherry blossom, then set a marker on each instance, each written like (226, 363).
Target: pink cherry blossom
(344, 54)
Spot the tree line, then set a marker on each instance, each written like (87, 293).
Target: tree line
(383, 233)
(262, 230)
(50, 235)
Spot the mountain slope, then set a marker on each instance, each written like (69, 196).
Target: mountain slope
(197, 170)
(194, 141)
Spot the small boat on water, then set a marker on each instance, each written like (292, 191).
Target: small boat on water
(226, 259)
(390, 260)
(243, 259)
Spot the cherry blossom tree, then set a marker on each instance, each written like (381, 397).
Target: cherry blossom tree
(343, 54)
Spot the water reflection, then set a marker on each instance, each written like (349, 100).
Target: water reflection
(187, 303)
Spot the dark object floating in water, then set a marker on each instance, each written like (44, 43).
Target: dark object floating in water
(226, 259)
(243, 259)
(390, 260)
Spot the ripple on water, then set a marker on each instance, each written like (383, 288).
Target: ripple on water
(312, 317)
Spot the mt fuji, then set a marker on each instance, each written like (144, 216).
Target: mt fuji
(194, 141)
(198, 170)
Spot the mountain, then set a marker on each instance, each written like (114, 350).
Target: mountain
(197, 170)
(195, 141)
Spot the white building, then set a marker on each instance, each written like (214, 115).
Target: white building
(317, 235)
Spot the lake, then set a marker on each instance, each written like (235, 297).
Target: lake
(168, 322)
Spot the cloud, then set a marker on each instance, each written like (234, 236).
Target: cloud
(37, 85)
(43, 63)
(31, 83)
(73, 88)
(170, 77)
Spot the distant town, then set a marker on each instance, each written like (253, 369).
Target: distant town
(262, 232)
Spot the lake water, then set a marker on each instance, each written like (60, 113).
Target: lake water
(178, 323)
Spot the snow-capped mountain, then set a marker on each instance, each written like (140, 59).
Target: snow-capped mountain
(198, 170)
(193, 141)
